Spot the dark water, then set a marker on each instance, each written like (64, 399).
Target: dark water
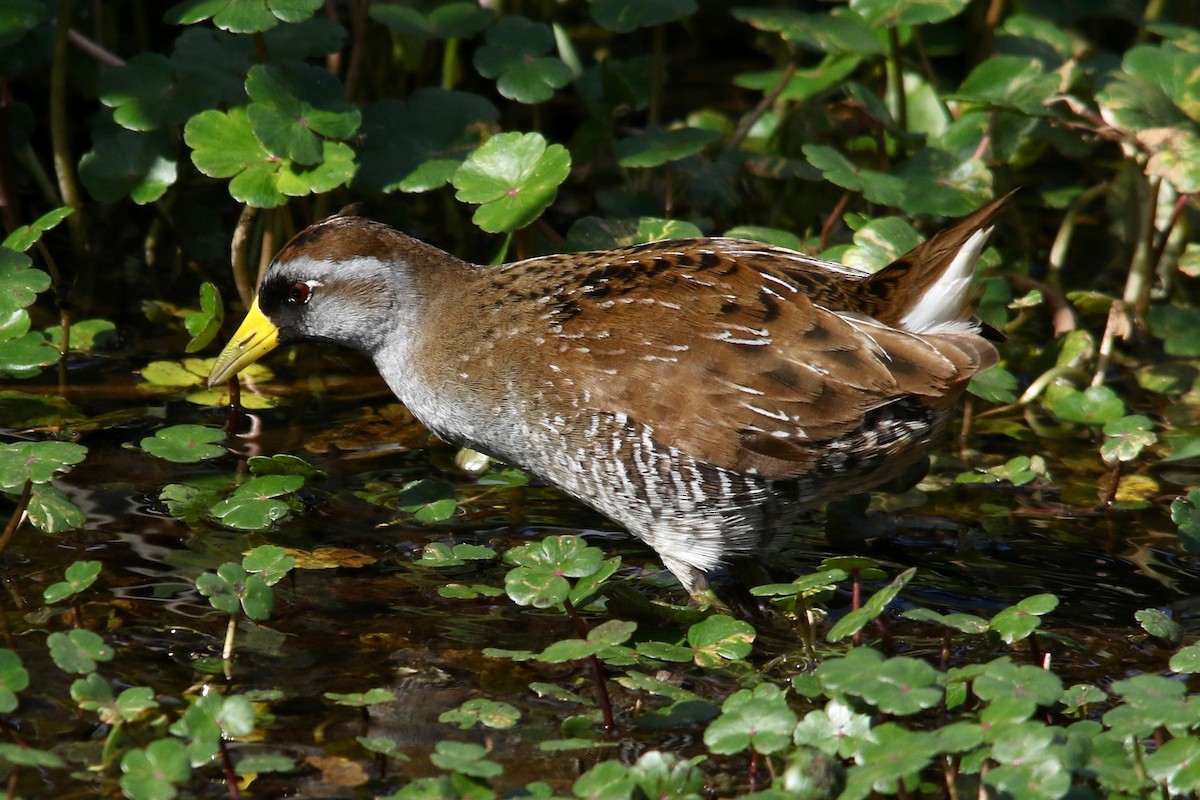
(977, 549)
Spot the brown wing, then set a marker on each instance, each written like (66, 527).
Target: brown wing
(744, 356)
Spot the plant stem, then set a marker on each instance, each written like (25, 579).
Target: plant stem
(239, 254)
(230, 774)
(18, 515)
(898, 79)
(597, 670)
(227, 650)
(60, 136)
(764, 105)
(1137, 284)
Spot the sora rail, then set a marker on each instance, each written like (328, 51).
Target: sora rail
(699, 392)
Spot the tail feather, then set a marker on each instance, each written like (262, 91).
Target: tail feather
(932, 288)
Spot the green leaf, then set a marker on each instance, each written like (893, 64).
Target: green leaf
(51, 511)
(1177, 763)
(203, 325)
(897, 685)
(156, 771)
(1019, 621)
(232, 589)
(146, 93)
(844, 33)
(835, 729)
(1178, 328)
(719, 638)
(84, 334)
(24, 237)
(418, 144)
(123, 163)
(428, 500)
(453, 20)
(253, 505)
(662, 774)
(603, 233)
(877, 187)
(995, 385)
(293, 106)
(242, 16)
(854, 621)
(655, 147)
(283, 464)
(515, 53)
(607, 780)
(371, 697)
(465, 758)
(604, 636)
(623, 16)
(270, 562)
(1018, 83)
(78, 650)
(1156, 623)
(1187, 660)
(481, 711)
(1024, 685)
(36, 462)
(1095, 405)
(79, 576)
(757, 719)
(14, 678)
(514, 176)
(440, 555)
(940, 182)
(893, 13)
(185, 444)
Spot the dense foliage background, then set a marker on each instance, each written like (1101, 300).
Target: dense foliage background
(146, 149)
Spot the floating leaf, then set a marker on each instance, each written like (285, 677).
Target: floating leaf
(758, 719)
(1156, 623)
(253, 505)
(428, 500)
(481, 711)
(79, 576)
(719, 638)
(1017, 622)
(36, 462)
(465, 758)
(78, 650)
(155, 772)
(185, 444)
(14, 678)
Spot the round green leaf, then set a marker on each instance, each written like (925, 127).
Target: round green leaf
(185, 444)
(515, 176)
(623, 16)
(515, 53)
(36, 462)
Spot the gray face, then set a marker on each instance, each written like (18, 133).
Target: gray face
(351, 302)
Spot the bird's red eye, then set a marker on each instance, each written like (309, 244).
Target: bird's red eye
(299, 293)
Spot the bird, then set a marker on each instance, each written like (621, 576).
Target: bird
(700, 392)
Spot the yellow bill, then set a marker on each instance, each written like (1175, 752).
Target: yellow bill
(255, 337)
